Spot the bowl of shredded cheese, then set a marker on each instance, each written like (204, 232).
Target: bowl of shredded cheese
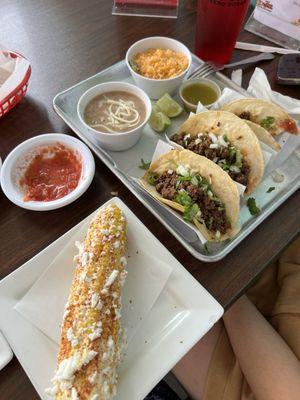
(158, 64)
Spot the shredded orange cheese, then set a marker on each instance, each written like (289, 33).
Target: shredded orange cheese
(160, 63)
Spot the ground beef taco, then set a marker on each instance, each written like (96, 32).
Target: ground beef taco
(227, 141)
(199, 189)
(264, 113)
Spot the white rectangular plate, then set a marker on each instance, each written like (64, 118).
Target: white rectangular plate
(182, 314)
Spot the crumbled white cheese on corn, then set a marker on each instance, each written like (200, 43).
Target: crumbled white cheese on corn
(69, 366)
(110, 281)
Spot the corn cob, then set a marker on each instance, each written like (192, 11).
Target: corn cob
(89, 351)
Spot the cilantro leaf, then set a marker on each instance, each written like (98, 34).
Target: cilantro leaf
(190, 212)
(238, 159)
(206, 248)
(271, 188)
(267, 122)
(232, 152)
(183, 198)
(251, 204)
(209, 222)
(224, 166)
(144, 165)
(181, 179)
(152, 177)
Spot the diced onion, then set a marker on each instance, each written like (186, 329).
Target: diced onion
(222, 141)
(213, 137)
(235, 169)
(181, 170)
(214, 146)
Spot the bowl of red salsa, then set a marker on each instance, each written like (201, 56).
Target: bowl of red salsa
(47, 172)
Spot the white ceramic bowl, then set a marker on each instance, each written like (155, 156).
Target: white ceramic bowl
(156, 88)
(117, 141)
(9, 179)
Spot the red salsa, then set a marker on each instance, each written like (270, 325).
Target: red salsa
(289, 125)
(53, 173)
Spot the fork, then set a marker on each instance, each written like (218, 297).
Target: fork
(209, 67)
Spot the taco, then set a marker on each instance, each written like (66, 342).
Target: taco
(199, 189)
(226, 140)
(264, 113)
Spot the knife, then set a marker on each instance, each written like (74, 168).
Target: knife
(264, 49)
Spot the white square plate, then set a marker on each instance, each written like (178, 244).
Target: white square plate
(182, 314)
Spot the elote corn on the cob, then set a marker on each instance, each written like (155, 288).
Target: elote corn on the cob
(89, 351)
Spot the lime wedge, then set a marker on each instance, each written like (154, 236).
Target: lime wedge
(169, 106)
(158, 120)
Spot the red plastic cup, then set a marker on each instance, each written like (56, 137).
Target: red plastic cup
(217, 27)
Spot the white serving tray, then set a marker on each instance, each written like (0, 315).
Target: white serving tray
(125, 166)
(183, 313)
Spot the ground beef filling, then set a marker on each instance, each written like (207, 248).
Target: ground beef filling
(201, 146)
(212, 211)
(245, 115)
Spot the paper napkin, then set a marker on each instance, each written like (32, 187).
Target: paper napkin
(12, 73)
(43, 305)
(259, 87)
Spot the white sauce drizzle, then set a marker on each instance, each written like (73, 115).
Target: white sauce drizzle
(121, 115)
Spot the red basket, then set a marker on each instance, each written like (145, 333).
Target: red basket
(18, 93)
